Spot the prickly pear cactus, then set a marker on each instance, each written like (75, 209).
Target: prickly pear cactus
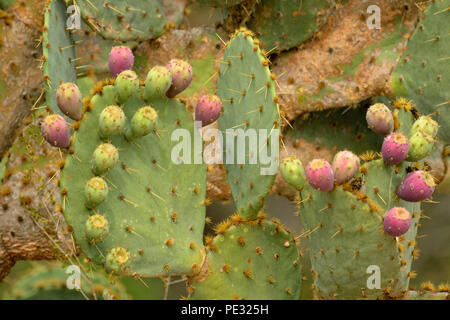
(422, 73)
(249, 260)
(124, 21)
(247, 89)
(282, 25)
(58, 50)
(345, 233)
(153, 214)
(49, 282)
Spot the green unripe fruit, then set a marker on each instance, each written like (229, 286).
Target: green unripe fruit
(143, 122)
(420, 146)
(159, 80)
(96, 191)
(111, 121)
(104, 158)
(293, 172)
(127, 84)
(97, 227)
(116, 260)
(426, 125)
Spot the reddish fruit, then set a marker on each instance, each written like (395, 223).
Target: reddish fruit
(120, 59)
(397, 221)
(181, 76)
(320, 175)
(395, 148)
(68, 98)
(56, 131)
(208, 109)
(417, 186)
(345, 165)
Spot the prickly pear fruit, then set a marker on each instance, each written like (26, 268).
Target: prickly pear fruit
(120, 59)
(95, 191)
(143, 122)
(425, 125)
(68, 98)
(293, 172)
(380, 119)
(159, 80)
(345, 164)
(395, 148)
(420, 146)
(397, 221)
(181, 76)
(56, 131)
(417, 186)
(117, 259)
(208, 109)
(104, 158)
(97, 227)
(111, 121)
(320, 175)
(127, 84)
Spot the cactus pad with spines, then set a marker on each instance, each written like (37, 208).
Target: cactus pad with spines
(49, 282)
(346, 232)
(58, 51)
(422, 73)
(255, 260)
(155, 208)
(220, 3)
(247, 91)
(284, 24)
(125, 20)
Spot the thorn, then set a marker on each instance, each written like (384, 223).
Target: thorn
(128, 201)
(442, 11)
(223, 42)
(107, 5)
(268, 52)
(83, 66)
(92, 5)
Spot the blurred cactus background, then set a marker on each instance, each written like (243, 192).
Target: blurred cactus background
(350, 101)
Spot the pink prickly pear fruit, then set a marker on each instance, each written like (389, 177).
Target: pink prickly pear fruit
(120, 59)
(68, 98)
(395, 148)
(208, 109)
(320, 175)
(417, 186)
(345, 165)
(56, 131)
(380, 119)
(181, 76)
(397, 221)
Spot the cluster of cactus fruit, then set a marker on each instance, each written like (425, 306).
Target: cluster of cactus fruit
(137, 210)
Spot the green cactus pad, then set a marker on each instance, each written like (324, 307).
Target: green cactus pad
(125, 20)
(155, 208)
(58, 51)
(337, 130)
(285, 24)
(422, 73)
(49, 282)
(252, 261)
(248, 95)
(220, 3)
(345, 232)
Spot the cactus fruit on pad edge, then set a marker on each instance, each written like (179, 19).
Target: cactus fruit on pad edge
(154, 208)
(344, 229)
(423, 73)
(58, 51)
(247, 90)
(254, 260)
(124, 20)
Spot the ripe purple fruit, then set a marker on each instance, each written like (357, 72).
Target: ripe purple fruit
(120, 59)
(181, 76)
(68, 98)
(395, 148)
(345, 165)
(320, 175)
(397, 221)
(417, 186)
(379, 119)
(56, 131)
(208, 109)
